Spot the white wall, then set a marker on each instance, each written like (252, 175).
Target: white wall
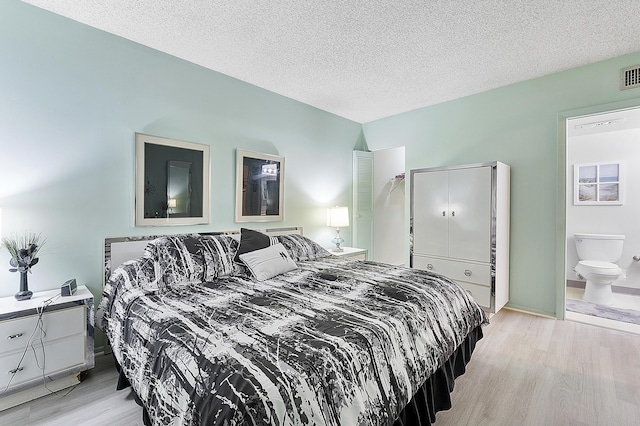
(615, 146)
(388, 206)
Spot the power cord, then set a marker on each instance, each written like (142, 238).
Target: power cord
(43, 334)
(39, 326)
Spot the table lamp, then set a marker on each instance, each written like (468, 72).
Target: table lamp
(337, 217)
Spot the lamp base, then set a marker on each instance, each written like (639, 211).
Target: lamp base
(23, 295)
(337, 241)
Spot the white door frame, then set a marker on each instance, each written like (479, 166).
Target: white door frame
(561, 200)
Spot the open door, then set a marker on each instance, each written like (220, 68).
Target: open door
(363, 201)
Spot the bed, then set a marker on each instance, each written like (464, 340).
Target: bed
(257, 329)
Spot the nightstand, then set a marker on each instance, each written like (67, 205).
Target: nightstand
(357, 253)
(30, 357)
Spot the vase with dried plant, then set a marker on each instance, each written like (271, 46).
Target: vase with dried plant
(23, 251)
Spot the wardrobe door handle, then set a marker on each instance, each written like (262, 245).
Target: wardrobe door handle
(467, 272)
(429, 266)
(15, 370)
(453, 213)
(15, 336)
(444, 213)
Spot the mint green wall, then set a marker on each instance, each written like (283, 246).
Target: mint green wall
(71, 99)
(518, 125)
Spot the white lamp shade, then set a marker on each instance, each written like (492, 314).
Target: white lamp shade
(172, 203)
(338, 216)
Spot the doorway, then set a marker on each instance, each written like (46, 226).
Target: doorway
(599, 146)
(379, 204)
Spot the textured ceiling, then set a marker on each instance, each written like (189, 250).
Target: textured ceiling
(369, 59)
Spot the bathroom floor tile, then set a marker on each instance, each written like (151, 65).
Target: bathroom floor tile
(625, 301)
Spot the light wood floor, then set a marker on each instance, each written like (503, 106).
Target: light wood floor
(527, 370)
(93, 402)
(530, 370)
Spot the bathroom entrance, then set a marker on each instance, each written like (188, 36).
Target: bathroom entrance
(603, 202)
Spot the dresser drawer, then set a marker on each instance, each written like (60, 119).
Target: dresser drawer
(58, 355)
(480, 293)
(476, 273)
(15, 334)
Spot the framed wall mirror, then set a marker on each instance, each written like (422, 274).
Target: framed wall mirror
(259, 187)
(172, 182)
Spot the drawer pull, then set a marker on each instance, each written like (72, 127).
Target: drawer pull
(444, 213)
(429, 266)
(467, 272)
(15, 370)
(15, 336)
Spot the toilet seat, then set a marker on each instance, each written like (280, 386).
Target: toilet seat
(599, 267)
(598, 264)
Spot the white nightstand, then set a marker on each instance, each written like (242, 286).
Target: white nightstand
(358, 253)
(29, 358)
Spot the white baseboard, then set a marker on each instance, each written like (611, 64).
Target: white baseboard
(529, 312)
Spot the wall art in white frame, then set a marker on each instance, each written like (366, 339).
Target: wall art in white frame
(259, 187)
(598, 184)
(172, 182)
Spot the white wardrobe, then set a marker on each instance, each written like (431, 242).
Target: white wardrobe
(460, 227)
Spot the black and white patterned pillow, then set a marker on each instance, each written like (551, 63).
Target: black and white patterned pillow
(194, 258)
(302, 248)
(139, 273)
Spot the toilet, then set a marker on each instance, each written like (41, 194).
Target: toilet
(597, 254)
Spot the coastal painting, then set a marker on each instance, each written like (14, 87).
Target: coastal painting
(598, 184)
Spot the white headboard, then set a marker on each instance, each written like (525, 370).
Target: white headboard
(120, 249)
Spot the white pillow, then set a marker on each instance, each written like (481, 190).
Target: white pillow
(268, 262)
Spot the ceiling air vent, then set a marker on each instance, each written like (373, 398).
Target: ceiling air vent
(630, 77)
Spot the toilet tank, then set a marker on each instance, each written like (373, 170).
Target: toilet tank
(603, 247)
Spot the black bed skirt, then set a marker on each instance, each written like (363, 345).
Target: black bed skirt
(435, 393)
(433, 396)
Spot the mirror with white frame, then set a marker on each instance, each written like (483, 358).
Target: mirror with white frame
(172, 182)
(259, 187)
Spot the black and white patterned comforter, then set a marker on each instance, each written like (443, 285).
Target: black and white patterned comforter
(298, 349)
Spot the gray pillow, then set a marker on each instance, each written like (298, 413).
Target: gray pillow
(268, 262)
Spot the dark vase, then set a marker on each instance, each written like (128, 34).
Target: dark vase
(24, 293)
